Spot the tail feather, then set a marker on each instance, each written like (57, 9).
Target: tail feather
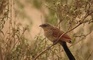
(69, 54)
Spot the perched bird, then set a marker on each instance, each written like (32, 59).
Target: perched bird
(53, 33)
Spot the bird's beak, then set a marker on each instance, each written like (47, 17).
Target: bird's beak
(40, 25)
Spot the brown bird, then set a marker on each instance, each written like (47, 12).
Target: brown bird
(53, 33)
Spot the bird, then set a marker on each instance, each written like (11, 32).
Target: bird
(53, 33)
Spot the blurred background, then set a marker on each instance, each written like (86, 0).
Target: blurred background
(21, 38)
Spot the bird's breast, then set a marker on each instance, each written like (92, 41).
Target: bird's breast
(49, 35)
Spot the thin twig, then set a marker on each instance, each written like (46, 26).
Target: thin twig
(43, 52)
(90, 55)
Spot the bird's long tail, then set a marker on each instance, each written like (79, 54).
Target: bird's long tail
(69, 54)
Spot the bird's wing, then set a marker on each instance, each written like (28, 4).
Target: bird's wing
(57, 33)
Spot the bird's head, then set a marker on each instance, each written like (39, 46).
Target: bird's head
(46, 26)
